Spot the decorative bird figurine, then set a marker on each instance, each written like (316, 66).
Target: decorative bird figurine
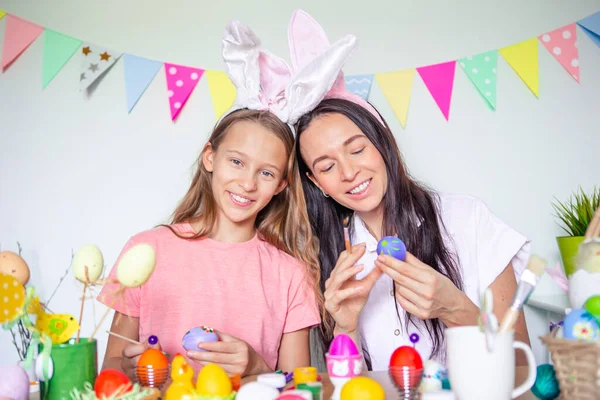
(60, 327)
(182, 374)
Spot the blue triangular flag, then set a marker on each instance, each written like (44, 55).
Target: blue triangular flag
(139, 72)
(591, 26)
(359, 85)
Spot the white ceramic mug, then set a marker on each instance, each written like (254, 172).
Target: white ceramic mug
(476, 374)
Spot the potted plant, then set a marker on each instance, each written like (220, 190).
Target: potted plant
(574, 215)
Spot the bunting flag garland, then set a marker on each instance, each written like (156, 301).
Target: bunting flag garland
(396, 86)
(359, 85)
(18, 35)
(139, 72)
(222, 91)
(439, 79)
(181, 81)
(95, 61)
(591, 26)
(523, 58)
(58, 49)
(562, 44)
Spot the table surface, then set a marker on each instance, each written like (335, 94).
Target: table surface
(391, 392)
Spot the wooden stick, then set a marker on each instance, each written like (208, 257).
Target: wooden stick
(116, 294)
(81, 311)
(123, 337)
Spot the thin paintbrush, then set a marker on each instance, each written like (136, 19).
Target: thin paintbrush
(347, 235)
(529, 278)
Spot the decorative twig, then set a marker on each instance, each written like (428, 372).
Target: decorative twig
(62, 278)
(20, 248)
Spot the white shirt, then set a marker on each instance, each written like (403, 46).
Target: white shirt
(484, 246)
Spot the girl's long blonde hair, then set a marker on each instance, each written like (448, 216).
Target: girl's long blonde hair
(283, 222)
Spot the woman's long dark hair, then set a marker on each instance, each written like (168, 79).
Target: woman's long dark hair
(405, 203)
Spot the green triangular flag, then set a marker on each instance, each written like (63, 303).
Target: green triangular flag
(481, 70)
(58, 49)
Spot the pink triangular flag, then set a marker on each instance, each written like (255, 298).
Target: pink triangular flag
(439, 79)
(181, 81)
(18, 35)
(562, 44)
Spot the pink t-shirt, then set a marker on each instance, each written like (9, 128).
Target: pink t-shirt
(249, 290)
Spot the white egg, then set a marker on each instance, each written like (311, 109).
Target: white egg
(88, 256)
(582, 285)
(136, 265)
(39, 367)
(257, 390)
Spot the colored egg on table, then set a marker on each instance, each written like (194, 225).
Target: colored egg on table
(213, 381)
(363, 388)
(343, 345)
(136, 265)
(88, 264)
(392, 246)
(14, 383)
(580, 325)
(433, 376)
(406, 356)
(153, 358)
(110, 382)
(197, 335)
(592, 305)
(13, 264)
(257, 390)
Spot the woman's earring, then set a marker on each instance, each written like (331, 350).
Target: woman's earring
(324, 194)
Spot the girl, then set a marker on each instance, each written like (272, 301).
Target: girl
(233, 258)
(351, 167)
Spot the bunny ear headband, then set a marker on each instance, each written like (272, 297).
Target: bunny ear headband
(266, 82)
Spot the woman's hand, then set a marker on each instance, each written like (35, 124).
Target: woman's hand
(427, 294)
(345, 296)
(234, 355)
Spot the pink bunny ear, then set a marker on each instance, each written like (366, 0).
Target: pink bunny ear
(306, 39)
(275, 75)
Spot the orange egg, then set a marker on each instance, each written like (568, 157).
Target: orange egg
(153, 358)
(12, 264)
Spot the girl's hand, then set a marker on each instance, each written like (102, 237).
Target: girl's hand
(234, 355)
(130, 356)
(345, 296)
(421, 290)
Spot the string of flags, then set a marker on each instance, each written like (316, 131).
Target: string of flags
(96, 61)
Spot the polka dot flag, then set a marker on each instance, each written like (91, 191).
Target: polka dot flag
(181, 81)
(562, 44)
(481, 70)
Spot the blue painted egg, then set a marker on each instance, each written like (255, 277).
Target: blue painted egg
(580, 325)
(392, 246)
(197, 335)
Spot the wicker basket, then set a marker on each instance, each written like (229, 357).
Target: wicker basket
(577, 366)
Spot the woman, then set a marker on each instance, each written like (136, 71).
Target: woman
(351, 167)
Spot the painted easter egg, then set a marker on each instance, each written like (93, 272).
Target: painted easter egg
(199, 334)
(433, 375)
(213, 381)
(14, 265)
(296, 394)
(153, 358)
(592, 305)
(12, 298)
(88, 264)
(43, 362)
(363, 388)
(110, 381)
(257, 390)
(392, 246)
(343, 345)
(136, 265)
(406, 356)
(580, 325)
(14, 383)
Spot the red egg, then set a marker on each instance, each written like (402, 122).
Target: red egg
(406, 356)
(109, 381)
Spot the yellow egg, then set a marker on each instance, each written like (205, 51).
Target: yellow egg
(12, 264)
(136, 265)
(213, 381)
(90, 257)
(362, 388)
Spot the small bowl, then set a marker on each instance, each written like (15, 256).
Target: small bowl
(406, 380)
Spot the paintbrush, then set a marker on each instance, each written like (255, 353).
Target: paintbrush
(529, 278)
(347, 235)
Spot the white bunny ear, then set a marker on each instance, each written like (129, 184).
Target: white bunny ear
(306, 39)
(240, 50)
(310, 85)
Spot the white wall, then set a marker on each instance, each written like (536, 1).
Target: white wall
(77, 170)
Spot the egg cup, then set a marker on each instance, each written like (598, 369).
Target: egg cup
(341, 369)
(407, 380)
(152, 377)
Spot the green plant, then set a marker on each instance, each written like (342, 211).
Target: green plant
(577, 212)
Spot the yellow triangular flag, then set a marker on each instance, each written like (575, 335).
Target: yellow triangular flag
(222, 91)
(396, 87)
(2, 14)
(523, 58)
